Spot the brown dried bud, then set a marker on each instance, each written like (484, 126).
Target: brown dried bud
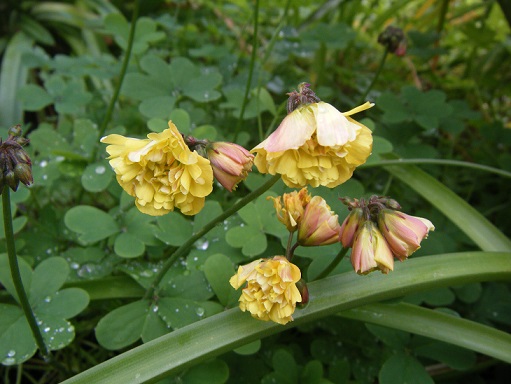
(394, 40)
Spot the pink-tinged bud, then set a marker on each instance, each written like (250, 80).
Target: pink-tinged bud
(371, 251)
(403, 232)
(230, 162)
(290, 211)
(394, 40)
(350, 226)
(319, 225)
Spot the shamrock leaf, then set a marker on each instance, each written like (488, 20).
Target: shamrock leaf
(52, 307)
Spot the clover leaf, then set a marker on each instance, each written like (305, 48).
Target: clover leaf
(52, 307)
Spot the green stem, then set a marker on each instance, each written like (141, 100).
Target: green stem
(16, 276)
(250, 71)
(208, 227)
(441, 19)
(380, 67)
(334, 263)
(289, 242)
(456, 163)
(124, 67)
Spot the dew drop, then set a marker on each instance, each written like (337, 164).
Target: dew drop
(70, 328)
(11, 353)
(146, 273)
(74, 265)
(155, 308)
(177, 310)
(46, 329)
(61, 329)
(44, 177)
(202, 244)
(206, 95)
(199, 311)
(47, 299)
(43, 163)
(100, 169)
(9, 361)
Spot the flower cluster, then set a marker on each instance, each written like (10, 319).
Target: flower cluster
(315, 144)
(377, 232)
(163, 173)
(315, 224)
(271, 292)
(15, 164)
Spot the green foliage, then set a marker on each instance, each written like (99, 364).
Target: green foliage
(52, 307)
(79, 236)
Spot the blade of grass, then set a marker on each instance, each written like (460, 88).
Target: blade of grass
(13, 75)
(440, 326)
(468, 219)
(217, 334)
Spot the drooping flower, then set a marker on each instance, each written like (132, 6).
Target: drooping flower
(403, 232)
(319, 225)
(161, 172)
(231, 163)
(290, 210)
(350, 226)
(370, 250)
(315, 144)
(271, 292)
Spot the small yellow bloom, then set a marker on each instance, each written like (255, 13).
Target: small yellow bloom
(271, 292)
(291, 212)
(161, 172)
(315, 144)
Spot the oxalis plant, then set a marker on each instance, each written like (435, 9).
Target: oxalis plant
(181, 281)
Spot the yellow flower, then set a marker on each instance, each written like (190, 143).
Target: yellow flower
(271, 292)
(161, 172)
(291, 212)
(315, 144)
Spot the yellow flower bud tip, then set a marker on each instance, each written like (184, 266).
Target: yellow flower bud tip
(161, 172)
(271, 292)
(403, 232)
(317, 145)
(290, 210)
(319, 225)
(370, 251)
(231, 163)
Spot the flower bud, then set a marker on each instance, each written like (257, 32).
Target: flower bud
(350, 226)
(319, 225)
(371, 251)
(230, 162)
(15, 131)
(11, 180)
(394, 40)
(304, 292)
(291, 212)
(403, 232)
(15, 164)
(23, 172)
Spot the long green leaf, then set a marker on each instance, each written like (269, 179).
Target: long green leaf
(190, 345)
(112, 287)
(469, 220)
(440, 326)
(12, 76)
